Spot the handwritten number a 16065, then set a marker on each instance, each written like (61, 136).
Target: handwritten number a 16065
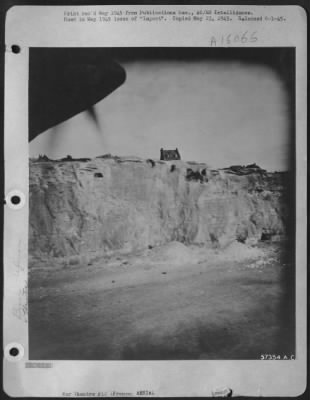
(232, 39)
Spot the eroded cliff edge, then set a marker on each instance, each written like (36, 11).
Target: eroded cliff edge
(109, 204)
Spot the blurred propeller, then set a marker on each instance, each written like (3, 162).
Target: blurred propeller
(66, 81)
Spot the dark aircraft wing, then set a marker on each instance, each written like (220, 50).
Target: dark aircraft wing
(66, 81)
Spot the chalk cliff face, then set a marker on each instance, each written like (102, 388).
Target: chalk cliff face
(93, 207)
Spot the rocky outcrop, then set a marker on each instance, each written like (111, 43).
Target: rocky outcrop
(244, 169)
(96, 207)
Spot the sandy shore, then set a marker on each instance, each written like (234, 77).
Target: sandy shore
(169, 303)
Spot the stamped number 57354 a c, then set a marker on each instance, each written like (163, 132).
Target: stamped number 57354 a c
(277, 357)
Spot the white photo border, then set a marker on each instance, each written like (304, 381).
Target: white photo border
(44, 26)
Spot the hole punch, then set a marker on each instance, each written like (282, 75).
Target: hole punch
(14, 352)
(15, 199)
(15, 48)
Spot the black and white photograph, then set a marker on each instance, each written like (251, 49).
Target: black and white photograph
(155, 211)
(161, 203)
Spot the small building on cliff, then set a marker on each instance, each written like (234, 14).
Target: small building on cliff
(168, 155)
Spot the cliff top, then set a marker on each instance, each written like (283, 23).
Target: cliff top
(194, 165)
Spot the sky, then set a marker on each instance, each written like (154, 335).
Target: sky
(218, 112)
